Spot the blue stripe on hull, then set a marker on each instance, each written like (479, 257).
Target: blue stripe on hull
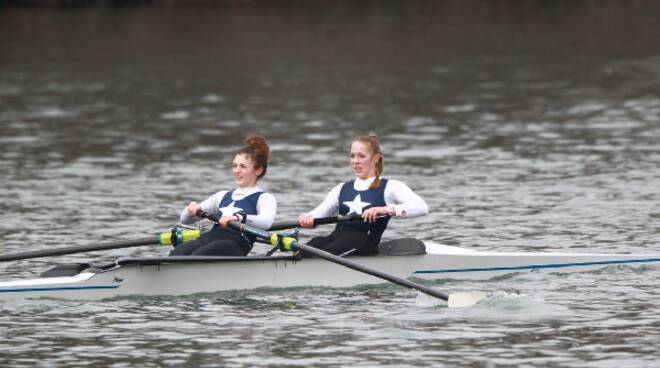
(59, 288)
(538, 266)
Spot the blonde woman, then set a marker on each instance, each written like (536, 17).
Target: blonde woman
(374, 198)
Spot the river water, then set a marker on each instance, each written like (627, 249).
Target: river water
(525, 125)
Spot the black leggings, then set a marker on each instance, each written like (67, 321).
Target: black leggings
(216, 242)
(340, 241)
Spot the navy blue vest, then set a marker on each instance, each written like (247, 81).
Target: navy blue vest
(247, 205)
(356, 201)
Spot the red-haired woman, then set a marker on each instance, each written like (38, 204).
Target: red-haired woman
(247, 203)
(376, 199)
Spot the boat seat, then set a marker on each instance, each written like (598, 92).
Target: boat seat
(401, 246)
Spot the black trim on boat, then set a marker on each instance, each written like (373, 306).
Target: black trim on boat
(200, 259)
(394, 247)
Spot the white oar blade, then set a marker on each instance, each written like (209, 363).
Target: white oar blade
(465, 299)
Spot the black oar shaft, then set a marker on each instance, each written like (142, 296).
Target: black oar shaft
(79, 249)
(368, 270)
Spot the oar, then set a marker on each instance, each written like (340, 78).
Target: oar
(317, 221)
(166, 238)
(454, 300)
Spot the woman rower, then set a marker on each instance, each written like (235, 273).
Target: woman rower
(376, 199)
(247, 203)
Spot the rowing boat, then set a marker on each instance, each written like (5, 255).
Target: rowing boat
(195, 274)
(448, 262)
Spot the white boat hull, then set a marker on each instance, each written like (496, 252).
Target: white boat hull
(182, 278)
(465, 264)
(190, 278)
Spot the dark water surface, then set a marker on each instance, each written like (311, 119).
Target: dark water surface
(525, 125)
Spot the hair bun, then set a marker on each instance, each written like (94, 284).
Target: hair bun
(258, 143)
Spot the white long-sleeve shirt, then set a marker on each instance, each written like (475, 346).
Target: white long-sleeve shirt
(406, 203)
(266, 207)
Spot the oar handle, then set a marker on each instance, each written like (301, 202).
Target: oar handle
(317, 221)
(236, 225)
(290, 224)
(211, 217)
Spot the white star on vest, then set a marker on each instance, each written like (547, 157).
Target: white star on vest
(231, 209)
(356, 205)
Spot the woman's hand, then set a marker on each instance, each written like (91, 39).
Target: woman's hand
(306, 220)
(372, 214)
(193, 207)
(226, 219)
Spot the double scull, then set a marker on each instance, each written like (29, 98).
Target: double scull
(403, 258)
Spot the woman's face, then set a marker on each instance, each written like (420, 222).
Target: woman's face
(363, 161)
(245, 175)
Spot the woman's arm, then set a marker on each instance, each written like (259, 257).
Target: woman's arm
(209, 205)
(403, 200)
(266, 211)
(329, 206)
